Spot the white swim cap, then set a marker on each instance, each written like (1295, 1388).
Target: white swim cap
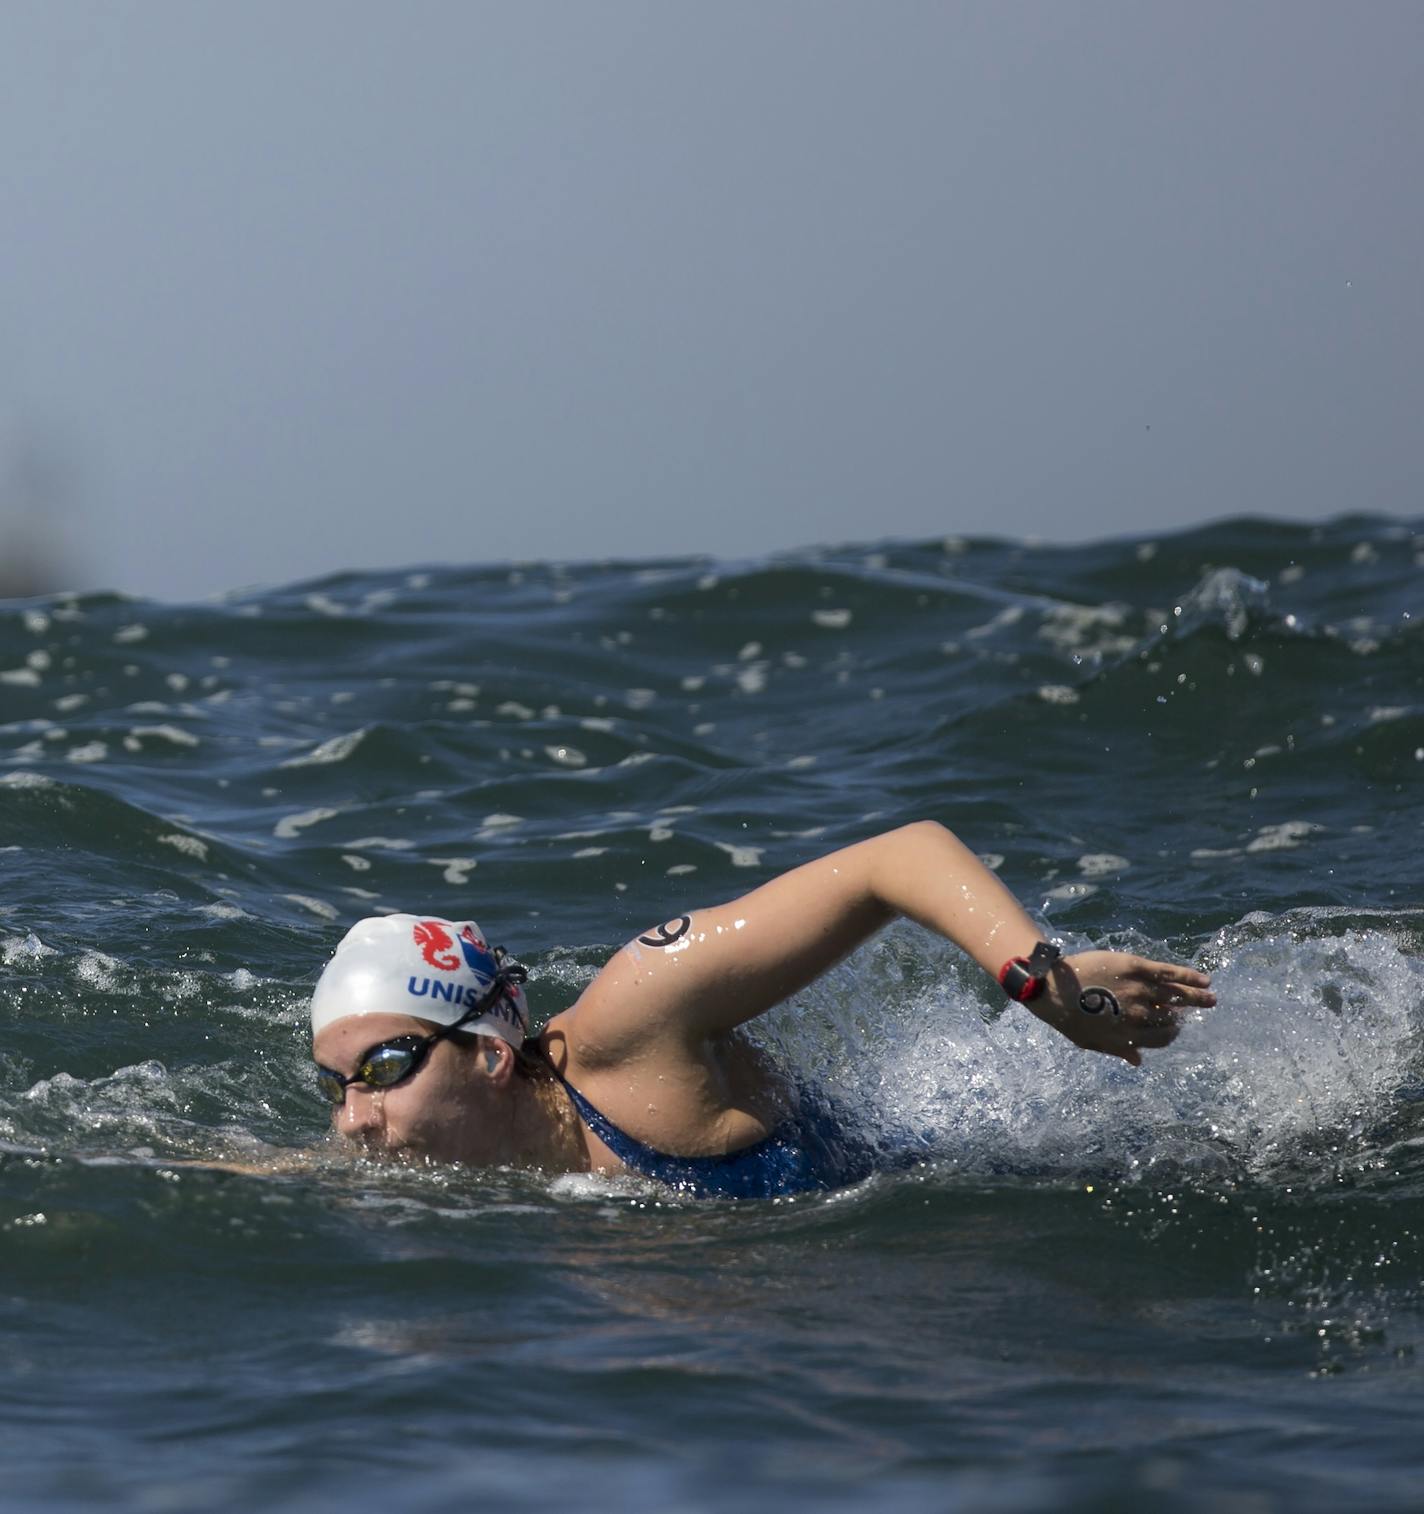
(437, 970)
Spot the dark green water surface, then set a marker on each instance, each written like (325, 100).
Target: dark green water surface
(1195, 1287)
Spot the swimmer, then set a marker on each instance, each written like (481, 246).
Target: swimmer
(422, 1044)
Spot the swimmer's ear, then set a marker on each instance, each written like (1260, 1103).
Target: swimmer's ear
(498, 1056)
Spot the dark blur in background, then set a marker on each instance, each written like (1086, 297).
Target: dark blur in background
(41, 540)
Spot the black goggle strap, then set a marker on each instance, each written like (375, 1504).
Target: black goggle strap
(507, 973)
(512, 972)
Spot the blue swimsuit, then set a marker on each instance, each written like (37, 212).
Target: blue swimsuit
(807, 1151)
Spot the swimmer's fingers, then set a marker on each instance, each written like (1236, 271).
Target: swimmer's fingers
(1158, 993)
(1173, 984)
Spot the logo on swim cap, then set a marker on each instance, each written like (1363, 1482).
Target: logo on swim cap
(435, 945)
(478, 957)
(436, 970)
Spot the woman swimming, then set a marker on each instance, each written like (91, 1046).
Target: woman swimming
(420, 1029)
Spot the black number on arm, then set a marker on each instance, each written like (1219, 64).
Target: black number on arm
(1093, 1001)
(665, 935)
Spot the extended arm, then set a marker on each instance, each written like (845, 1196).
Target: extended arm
(698, 974)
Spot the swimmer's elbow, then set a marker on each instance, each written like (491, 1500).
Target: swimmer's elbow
(927, 828)
(924, 835)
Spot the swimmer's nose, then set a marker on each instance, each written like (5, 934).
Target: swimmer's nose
(360, 1117)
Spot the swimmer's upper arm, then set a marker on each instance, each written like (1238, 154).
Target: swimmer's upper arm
(701, 973)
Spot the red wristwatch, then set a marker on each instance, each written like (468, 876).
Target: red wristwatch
(1024, 978)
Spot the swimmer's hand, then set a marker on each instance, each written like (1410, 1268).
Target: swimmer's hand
(1151, 1000)
(275, 1166)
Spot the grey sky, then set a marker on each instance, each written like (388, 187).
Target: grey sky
(287, 288)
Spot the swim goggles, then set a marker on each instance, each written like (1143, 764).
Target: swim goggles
(390, 1062)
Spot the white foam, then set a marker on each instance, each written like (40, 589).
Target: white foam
(26, 781)
(742, 856)
(190, 846)
(28, 947)
(1005, 618)
(1089, 630)
(313, 906)
(222, 911)
(337, 749)
(457, 869)
(1310, 1048)
(170, 733)
(99, 970)
(1276, 838)
(289, 825)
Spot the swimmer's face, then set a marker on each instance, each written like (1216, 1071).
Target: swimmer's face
(447, 1110)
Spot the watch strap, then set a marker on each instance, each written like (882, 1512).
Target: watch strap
(1024, 978)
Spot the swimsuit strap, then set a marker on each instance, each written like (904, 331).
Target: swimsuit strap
(638, 1154)
(626, 1148)
(741, 1173)
(807, 1151)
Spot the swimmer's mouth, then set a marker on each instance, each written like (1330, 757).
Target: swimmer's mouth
(398, 1151)
(374, 1149)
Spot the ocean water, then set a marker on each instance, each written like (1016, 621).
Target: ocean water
(1198, 1286)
